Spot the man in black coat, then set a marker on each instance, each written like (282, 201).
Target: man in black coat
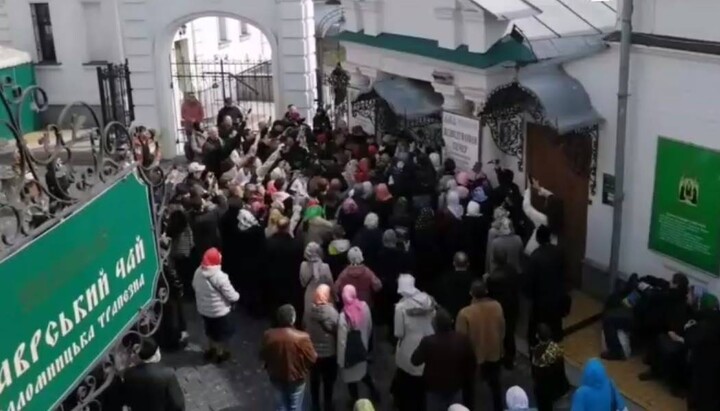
(230, 110)
(546, 287)
(150, 386)
(284, 256)
(451, 290)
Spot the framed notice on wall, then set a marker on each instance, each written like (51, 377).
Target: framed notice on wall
(461, 136)
(685, 221)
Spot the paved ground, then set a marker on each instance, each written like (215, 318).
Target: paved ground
(241, 384)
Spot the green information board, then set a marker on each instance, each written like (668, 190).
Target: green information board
(685, 222)
(68, 295)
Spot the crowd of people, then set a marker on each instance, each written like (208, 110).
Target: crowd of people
(346, 241)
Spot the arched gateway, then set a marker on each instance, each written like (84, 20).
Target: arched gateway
(148, 28)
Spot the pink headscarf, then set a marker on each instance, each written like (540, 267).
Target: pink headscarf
(349, 206)
(352, 306)
(462, 178)
(382, 193)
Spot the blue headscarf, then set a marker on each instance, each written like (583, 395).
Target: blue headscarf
(597, 390)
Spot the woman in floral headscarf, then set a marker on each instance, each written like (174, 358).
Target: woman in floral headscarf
(425, 241)
(313, 272)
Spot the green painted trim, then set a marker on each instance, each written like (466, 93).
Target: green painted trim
(505, 50)
(22, 75)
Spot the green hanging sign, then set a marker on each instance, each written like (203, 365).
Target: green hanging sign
(69, 294)
(685, 222)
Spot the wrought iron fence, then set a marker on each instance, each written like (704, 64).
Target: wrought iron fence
(116, 99)
(248, 83)
(44, 185)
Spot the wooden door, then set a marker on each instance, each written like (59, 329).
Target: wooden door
(548, 162)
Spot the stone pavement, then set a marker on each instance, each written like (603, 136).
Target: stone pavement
(241, 384)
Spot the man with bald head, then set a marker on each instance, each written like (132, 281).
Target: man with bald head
(452, 288)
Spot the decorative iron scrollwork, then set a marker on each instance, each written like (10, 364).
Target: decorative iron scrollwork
(508, 133)
(72, 164)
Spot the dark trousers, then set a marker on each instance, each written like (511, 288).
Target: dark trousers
(408, 391)
(490, 374)
(323, 373)
(666, 358)
(509, 341)
(614, 321)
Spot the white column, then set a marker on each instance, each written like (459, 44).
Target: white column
(297, 56)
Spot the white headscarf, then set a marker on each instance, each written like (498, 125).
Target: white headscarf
(313, 256)
(246, 220)
(453, 203)
(473, 209)
(355, 256)
(406, 285)
(516, 399)
(371, 221)
(458, 407)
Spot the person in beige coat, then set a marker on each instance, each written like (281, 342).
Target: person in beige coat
(483, 322)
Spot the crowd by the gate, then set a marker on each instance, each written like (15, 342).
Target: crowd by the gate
(346, 241)
(358, 241)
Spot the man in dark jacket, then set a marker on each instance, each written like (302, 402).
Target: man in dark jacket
(546, 287)
(284, 256)
(452, 288)
(150, 386)
(230, 110)
(449, 364)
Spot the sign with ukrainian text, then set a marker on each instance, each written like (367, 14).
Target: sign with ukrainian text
(462, 139)
(68, 295)
(685, 224)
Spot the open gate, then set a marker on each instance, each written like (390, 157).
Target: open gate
(248, 83)
(116, 99)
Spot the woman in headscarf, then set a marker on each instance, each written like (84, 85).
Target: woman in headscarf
(413, 321)
(450, 228)
(363, 405)
(322, 326)
(364, 281)
(597, 392)
(337, 251)
(475, 228)
(275, 216)
(368, 239)
(425, 241)
(363, 171)
(350, 217)
(517, 400)
(355, 318)
(548, 369)
(315, 227)
(400, 216)
(333, 198)
(313, 272)
(502, 235)
(383, 204)
(251, 249)
(390, 265)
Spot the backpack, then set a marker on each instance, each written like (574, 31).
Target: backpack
(355, 351)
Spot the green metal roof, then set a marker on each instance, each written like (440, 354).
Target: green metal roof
(505, 50)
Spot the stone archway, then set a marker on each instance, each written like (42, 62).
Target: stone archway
(148, 28)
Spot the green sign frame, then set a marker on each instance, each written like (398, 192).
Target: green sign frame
(685, 224)
(71, 292)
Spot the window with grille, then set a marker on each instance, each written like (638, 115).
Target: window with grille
(42, 25)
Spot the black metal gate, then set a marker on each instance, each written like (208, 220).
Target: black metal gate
(248, 83)
(116, 100)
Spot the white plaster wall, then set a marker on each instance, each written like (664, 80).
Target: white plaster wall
(673, 94)
(696, 19)
(70, 80)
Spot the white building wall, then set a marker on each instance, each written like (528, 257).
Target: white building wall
(696, 19)
(71, 79)
(672, 94)
(203, 35)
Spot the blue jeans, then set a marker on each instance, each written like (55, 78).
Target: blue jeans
(436, 401)
(288, 395)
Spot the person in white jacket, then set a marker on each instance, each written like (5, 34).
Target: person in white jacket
(414, 315)
(214, 297)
